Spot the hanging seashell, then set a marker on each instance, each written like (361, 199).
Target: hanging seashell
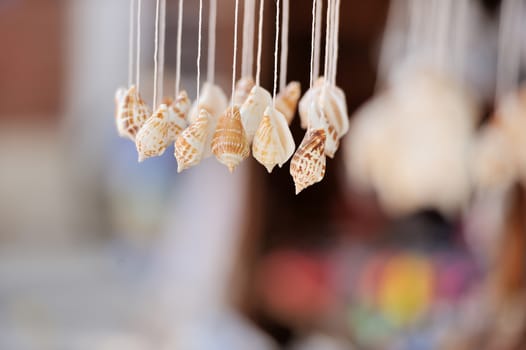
(120, 95)
(311, 95)
(177, 112)
(273, 143)
(152, 138)
(190, 144)
(229, 144)
(318, 120)
(252, 110)
(243, 88)
(308, 163)
(133, 112)
(334, 107)
(213, 99)
(287, 100)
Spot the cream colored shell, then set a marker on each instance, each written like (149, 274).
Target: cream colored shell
(252, 110)
(242, 90)
(306, 101)
(132, 113)
(152, 138)
(177, 113)
(213, 99)
(287, 100)
(308, 163)
(273, 142)
(230, 144)
(190, 145)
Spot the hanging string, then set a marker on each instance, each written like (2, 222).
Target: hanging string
(276, 49)
(248, 38)
(199, 38)
(131, 39)
(234, 61)
(317, 41)
(179, 48)
(335, 41)
(162, 46)
(508, 60)
(138, 58)
(395, 22)
(284, 44)
(328, 39)
(156, 53)
(212, 20)
(330, 53)
(312, 44)
(260, 40)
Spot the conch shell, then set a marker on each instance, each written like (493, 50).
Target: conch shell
(177, 112)
(152, 138)
(132, 113)
(305, 103)
(242, 90)
(230, 144)
(190, 145)
(334, 106)
(287, 100)
(308, 163)
(213, 99)
(273, 143)
(252, 110)
(120, 95)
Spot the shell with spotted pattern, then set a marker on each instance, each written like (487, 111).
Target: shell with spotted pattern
(308, 163)
(190, 145)
(152, 138)
(131, 113)
(177, 112)
(287, 100)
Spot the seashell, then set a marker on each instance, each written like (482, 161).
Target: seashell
(152, 138)
(230, 144)
(287, 100)
(311, 95)
(213, 99)
(120, 95)
(308, 163)
(252, 110)
(133, 112)
(318, 120)
(190, 144)
(242, 90)
(334, 106)
(177, 112)
(273, 143)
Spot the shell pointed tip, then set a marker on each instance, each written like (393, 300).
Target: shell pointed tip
(141, 158)
(269, 168)
(231, 168)
(299, 189)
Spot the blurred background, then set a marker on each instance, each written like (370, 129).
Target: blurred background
(99, 252)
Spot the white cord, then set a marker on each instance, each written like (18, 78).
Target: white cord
(156, 54)
(138, 58)
(328, 39)
(284, 44)
(317, 41)
(199, 50)
(312, 49)
(234, 61)
(248, 38)
(276, 49)
(260, 40)
(162, 50)
(212, 20)
(336, 46)
(131, 39)
(179, 48)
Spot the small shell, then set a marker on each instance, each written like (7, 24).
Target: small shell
(133, 112)
(287, 100)
(229, 144)
(243, 88)
(190, 144)
(120, 95)
(311, 95)
(177, 112)
(152, 138)
(213, 99)
(334, 106)
(273, 143)
(308, 163)
(252, 110)
(318, 120)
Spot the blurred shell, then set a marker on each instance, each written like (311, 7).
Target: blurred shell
(177, 112)
(252, 110)
(133, 112)
(273, 143)
(287, 100)
(307, 99)
(213, 99)
(334, 106)
(243, 88)
(152, 138)
(229, 144)
(190, 144)
(120, 95)
(308, 163)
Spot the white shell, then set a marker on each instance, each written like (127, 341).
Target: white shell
(213, 99)
(252, 110)
(242, 90)
(177, 113)
(152, 138)
(307, 166)
(190, 145)
(334, 106)
(132, 113)
(305, 103)
(273, 143)
(287, 100)
(120, 95)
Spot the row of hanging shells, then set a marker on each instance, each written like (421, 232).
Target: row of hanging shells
(255, 122)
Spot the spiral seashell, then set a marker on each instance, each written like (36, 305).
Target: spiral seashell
(334, 106)
(318, 120)
(190, 144)
(213, 99)
(177, 112)
(308, 163)
(152, 138)
(311, 95)
(120, 95)
(252, 110)
(287, 100)
(133, 112)
(229, 144)
(273, 143)
(242, 90)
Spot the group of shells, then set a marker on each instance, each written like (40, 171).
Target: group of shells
(253, 123)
